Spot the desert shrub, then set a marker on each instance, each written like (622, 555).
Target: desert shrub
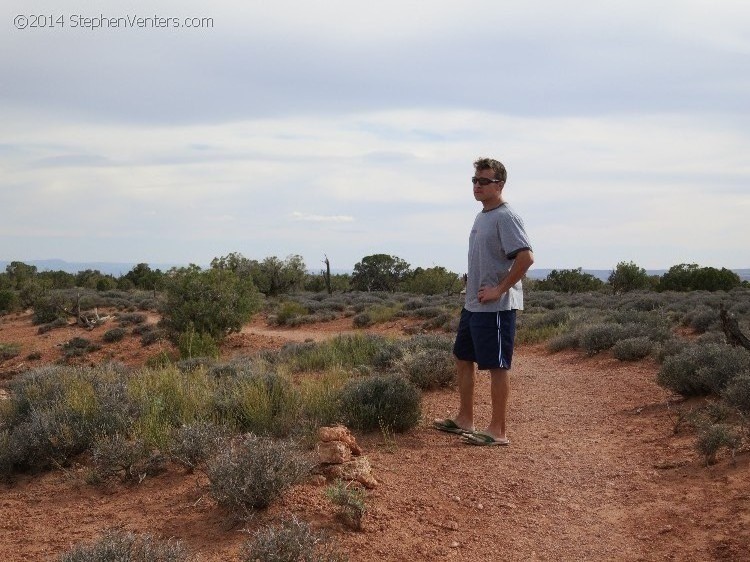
(429, 369)
(368, 402)
(671, 346)
(702, 369)
(261, 403)
(566, 340)
(9, 350)
(9, 301)
(152, 336)
(288, 311)
(291, 540)
(132, 318)
(195, 363)
(118, 545)
(251, 472)
(713, 437)
(214, 302)
(77, 346)
(128, 459)
(320, 399)
(56, 413)
(168, 398)
(351, 500)
(701, 319)
(114, 335)
(362, 320)
(737, 392)
(57, 323)
(599, 337)
(341, 351)
(193, 443)
(632, 349)
(387, 355)
(50, 307)
(194, 344)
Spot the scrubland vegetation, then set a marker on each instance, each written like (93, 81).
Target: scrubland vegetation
(248, 422)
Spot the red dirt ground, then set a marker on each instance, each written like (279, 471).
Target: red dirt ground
(594, 472)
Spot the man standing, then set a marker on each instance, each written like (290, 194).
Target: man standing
(499, 256)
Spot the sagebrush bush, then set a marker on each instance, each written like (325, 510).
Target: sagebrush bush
(368, 402)
(131, 318)
(122, 546)
(193, 443)
(566, 340)
(114, 335)
(291, 540)
(701, 369)
(713, 437)
(289, 311)
(362, 320)
(429, 369)
(737, 392)
(599, 337)
(128, 459)
(252, 471)
(56, 412)
(632, 349)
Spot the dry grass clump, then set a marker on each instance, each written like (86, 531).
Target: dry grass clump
(118, 545)
(252, 471)
(292, 540)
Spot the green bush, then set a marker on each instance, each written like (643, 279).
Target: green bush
(713, 437)
(55, 413)
(214, 302)
(291, 540)
(566, 340)
(430, 369)
(122, 546)
(9, 301)
(366, 403)
(261, 403)
(251, 472)
(600, 337)
(9, 350)
(114, 335)
(701, 369)
(362, 320)
(50, 307)
(289, 311)
(351, 500)
(737, 392)
(194, 344)
(632, 349)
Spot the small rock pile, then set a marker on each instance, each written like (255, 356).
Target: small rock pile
(340, 457)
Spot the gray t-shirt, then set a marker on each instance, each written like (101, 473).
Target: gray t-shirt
(496, 237)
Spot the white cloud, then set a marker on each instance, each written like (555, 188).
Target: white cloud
(321, 218)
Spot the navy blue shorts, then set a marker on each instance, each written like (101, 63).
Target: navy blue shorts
(486, 338)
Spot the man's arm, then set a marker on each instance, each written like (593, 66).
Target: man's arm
(521, 264)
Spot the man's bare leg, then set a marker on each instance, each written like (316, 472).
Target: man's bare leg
(500, 392)
(466, 374)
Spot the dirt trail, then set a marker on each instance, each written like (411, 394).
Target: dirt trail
(593, 472)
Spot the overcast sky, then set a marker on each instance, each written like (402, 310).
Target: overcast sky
(349, 128)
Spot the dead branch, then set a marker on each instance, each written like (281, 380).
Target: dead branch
(732, 330)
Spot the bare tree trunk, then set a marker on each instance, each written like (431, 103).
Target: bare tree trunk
(732, 330)
(328, 276)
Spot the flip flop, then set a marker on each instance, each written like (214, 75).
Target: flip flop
(449, 426)
(484, 439)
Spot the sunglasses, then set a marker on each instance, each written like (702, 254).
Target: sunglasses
(483, 181)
